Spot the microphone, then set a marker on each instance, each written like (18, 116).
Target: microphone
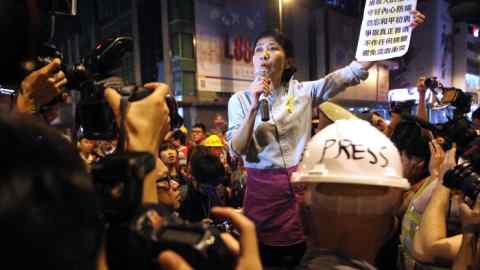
(263, 102)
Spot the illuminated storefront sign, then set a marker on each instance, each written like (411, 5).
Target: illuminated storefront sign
(224, 42)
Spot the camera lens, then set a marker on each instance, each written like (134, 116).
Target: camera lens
(431, 83)
(464, 179)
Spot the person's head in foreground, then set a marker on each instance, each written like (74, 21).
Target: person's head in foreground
(354, 181)
(49, 214)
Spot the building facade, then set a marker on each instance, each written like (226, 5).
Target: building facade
(203, 48)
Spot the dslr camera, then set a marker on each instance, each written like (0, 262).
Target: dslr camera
(156, 229)
(463, 178)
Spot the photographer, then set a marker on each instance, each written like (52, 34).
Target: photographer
(21, 24)
(397, 109)
(415, 202)
(433, 244)
(415, 145)
(49, 211)
(43, 170)
(141, 133)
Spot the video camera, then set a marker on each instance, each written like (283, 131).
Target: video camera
(457, 129)
(449, 96)
(91, 77)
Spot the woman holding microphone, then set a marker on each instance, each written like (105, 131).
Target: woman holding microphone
(272, 148)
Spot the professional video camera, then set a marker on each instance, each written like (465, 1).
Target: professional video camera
(155, 230)
(91, 77)
(457, 129)
(445, 96)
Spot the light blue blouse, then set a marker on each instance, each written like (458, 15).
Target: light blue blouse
(280, 142)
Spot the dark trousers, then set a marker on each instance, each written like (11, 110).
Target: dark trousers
(284, 257)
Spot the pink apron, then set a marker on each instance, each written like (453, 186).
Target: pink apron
(271, 202)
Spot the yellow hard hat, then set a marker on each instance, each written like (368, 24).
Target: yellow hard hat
(213, 141)
(183, 129)
(335, 112)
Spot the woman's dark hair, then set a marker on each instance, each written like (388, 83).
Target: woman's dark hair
(287, 47)
(408, 138)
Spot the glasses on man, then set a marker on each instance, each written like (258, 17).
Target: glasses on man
(197, 131)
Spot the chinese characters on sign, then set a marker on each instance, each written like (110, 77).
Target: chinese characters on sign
(385, 31)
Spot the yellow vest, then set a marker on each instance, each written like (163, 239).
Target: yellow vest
(410, 223)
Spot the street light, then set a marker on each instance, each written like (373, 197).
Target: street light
(280, 13)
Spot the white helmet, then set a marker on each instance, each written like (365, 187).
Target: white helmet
(351, 152)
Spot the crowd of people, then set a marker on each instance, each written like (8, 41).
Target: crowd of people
(353, 192)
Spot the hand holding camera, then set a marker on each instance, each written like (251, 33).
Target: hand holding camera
(469, 215)
(437, 158)
(146, 120)
(463, 178)
(41, 86)
(246, 249)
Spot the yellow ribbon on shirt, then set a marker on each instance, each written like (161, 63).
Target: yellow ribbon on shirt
(289, 104)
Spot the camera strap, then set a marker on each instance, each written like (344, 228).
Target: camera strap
(121, 133)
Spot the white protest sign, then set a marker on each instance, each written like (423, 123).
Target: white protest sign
(386, 29)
